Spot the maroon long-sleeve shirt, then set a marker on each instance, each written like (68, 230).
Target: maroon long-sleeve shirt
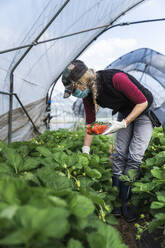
(121, 83)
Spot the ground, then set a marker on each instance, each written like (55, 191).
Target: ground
(128, 232)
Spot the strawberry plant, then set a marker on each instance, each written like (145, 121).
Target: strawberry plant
(52, 195)
(148, 191)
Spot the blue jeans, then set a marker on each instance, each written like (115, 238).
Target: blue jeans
(131, 144)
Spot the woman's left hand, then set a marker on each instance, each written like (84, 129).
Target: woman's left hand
(115, 126)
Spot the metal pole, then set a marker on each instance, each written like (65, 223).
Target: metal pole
(35, 128)
(10, 109)
(14, 94)
(107, 27)
(19, 61)
(5, 93)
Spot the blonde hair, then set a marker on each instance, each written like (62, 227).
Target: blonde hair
(89, 79)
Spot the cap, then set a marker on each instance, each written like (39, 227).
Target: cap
(72, 73)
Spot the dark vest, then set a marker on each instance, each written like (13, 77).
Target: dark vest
(109, 97)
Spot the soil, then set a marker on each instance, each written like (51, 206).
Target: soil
(148, 240)
(128, 233)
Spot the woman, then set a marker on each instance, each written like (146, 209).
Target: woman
(122, 93)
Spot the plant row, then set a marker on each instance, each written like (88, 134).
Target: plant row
(52, 195)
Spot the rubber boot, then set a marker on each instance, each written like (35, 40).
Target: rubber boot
(129, 212)
(116, 182)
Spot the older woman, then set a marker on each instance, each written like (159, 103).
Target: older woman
(122, 93)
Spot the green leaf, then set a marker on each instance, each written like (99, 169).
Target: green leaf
(150, 162)
(60, 157)
(81, 206)
(81, 223)
(6, 169)
(20, 236)
(49, 161)
(74, 244)
(124, 178)
(22, 149)
(97, 200)
(162, 140)
(9, 212)
(157, 205)
(55, 223)
(85, 182)
(93, 173)
(8, 192)
(28, 176)
(44, 151)
(57, 201)
(83, 160)
(112, 238)
(158, 173)
(160, 216)
(160, 158)
(96, 240)
(50, 222)
(161, 196)
(52, 180)
(3, 205)
(157, 222)
(110, 219)
(13, 158)
(153, 225)
(30, 163)
(94, 160)
(143, 187)
(132, 174)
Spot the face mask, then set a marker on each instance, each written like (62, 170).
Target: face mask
(81, 94)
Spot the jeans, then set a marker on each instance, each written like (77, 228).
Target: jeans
(131, 144)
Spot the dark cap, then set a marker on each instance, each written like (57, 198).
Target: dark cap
(72, 73)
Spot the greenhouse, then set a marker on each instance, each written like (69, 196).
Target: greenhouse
(57, 188)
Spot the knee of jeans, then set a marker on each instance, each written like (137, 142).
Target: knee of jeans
(120, 156)
(135, 158)
(119, 163)
(117, 172)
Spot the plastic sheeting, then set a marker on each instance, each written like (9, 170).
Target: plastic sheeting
(21, 21)
(148, 66)
(21, 127)
(78, 108)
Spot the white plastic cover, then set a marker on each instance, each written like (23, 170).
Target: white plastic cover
(21, 21)
(148, 66)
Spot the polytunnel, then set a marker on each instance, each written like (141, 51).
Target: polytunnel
(26, 74)
(53, 192)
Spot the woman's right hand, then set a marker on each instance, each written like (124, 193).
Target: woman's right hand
(86, 149)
